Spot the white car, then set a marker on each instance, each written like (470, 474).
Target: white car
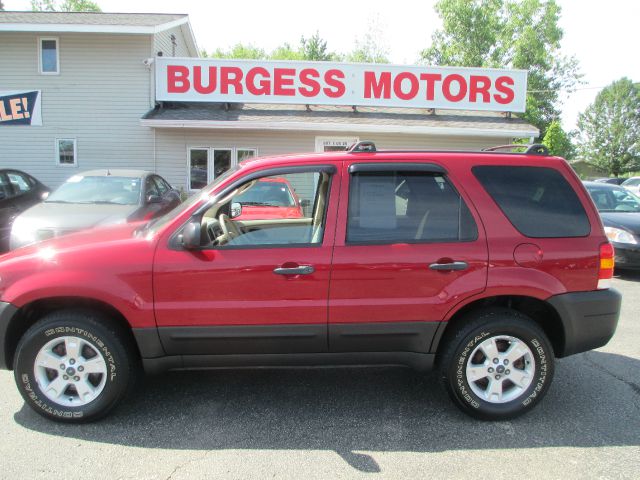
(632, 184)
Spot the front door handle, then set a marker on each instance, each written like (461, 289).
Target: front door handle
(446, 267)
(301, 270)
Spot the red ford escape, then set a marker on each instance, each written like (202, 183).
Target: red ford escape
(485, 265)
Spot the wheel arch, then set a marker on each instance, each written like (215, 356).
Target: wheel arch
(540, 311)
(27, 315)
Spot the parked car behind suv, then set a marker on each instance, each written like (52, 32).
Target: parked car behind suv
(620, 212)
(487, 266)
(18, 191)
(95, 198)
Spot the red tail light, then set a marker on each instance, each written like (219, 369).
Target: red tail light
(605, 272)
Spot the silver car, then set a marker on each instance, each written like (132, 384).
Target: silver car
(94, 198)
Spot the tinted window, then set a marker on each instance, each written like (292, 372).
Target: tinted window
(538, 201)
(5, 187)
(614, 199)
(406, 207)
(20, 182)
(151, 188)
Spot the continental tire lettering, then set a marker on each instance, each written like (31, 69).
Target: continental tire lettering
(460, 367)
(542, 378)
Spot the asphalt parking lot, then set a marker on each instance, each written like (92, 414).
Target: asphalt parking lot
(343, 423)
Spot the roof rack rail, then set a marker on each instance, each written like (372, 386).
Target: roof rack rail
(531, 149)
(363, 146)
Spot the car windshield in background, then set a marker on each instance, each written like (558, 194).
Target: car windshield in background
(272, 194)
(98, 190)
(614, 199)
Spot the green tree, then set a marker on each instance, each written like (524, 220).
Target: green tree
(66, 6)
(315, 48)
(558, 141)
(239, 50)
(508, 34)
(609, 129)
(1, 5)
(286, 52)
(372, 48)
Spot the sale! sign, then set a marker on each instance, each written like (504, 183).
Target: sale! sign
(330, 83)
(20, 108)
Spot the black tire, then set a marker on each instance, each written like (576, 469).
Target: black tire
(477, 328)
(94, 328)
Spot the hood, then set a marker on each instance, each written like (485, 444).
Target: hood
(629, 221)
(74, 216)
(48, 220)
(255, 212)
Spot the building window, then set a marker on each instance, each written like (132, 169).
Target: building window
(49, 57)
(208, 163)
(244, 153)
(198, 168)
(334, 144)
(66, 152)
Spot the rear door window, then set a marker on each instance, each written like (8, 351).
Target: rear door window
(406, 207)
(538, 201)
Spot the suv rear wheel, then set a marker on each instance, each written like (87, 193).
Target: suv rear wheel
(72, 366)
(498, 365)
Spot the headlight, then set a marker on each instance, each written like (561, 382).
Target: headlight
(620, 236)
(22, 233)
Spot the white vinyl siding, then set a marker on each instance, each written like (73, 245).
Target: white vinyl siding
(98, 98)
(162, 43)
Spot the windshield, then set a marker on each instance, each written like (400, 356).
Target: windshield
(267, 194)
(155, 225)
(614, 199)
(103, 190)
(632, 182)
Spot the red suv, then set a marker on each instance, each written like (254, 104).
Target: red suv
(485, 265)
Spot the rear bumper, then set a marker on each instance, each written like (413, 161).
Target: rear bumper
(589, 319)
(6, 314)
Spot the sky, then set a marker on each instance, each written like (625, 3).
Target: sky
(603, 35)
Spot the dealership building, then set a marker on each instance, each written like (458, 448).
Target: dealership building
(80, 91)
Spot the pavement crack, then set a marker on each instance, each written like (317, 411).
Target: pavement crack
(634, 386)
(184, 464)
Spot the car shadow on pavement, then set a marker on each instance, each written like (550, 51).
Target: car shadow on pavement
(594, 401)
(629, 275)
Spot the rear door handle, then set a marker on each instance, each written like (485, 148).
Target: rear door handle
(445, 267)
(301, 270)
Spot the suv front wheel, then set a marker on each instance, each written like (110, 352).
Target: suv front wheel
(498, 366)
(72, 366)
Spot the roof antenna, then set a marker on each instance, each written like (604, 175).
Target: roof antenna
(108, 172)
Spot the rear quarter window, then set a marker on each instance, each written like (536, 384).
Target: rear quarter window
(538, 201)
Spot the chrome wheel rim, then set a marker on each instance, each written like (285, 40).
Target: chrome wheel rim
(70, 371)
(500, 369)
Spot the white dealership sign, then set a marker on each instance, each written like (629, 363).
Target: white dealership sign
(330, 83)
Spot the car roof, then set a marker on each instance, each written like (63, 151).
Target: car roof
(115, 172)
(444, 156)
(601, 185)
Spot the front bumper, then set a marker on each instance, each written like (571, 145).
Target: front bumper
(6, 314)
(589, 319)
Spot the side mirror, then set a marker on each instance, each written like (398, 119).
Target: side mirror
(306, 203)
(191, 235)
(154, 199)
(236, 210)
(44, 195)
